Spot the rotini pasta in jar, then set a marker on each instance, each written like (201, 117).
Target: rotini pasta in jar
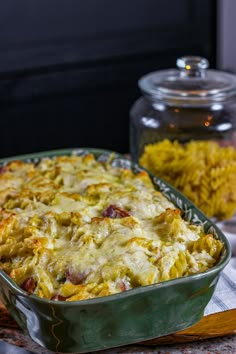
(183, 129)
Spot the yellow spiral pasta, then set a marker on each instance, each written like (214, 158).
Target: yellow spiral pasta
(202, 170)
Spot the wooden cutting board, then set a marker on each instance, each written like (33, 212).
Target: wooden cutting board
(216, 325)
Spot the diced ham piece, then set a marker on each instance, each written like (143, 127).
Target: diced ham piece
(122, 286)
(3, 169)
(75, 277)
(58, 298)
(29, 285)
(114, 212)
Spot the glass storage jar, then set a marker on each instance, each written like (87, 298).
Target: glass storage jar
(188, 103)
(192, 108)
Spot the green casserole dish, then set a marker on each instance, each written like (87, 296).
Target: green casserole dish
(131, 316)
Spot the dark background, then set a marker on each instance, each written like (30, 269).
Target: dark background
(69, 69)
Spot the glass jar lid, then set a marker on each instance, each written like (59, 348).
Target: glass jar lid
(189, 85)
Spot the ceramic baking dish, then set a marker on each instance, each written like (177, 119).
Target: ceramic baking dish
(135, 315)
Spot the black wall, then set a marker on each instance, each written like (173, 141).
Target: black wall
(69, 69)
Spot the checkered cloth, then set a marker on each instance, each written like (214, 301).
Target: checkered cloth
(224, 297)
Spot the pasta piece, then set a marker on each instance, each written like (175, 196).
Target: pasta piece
(202, 170)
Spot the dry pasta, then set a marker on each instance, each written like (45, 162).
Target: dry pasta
(202, 170)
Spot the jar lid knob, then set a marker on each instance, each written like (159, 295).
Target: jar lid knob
(192, 66)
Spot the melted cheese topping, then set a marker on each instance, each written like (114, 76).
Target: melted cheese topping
(74, 228)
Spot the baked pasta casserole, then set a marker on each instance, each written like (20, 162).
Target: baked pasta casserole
(74, 228)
